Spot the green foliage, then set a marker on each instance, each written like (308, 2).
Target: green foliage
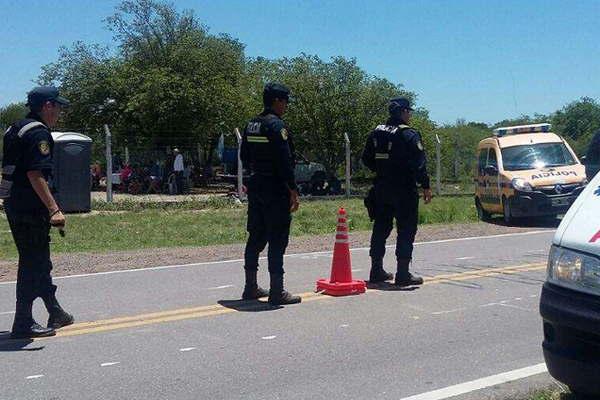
(458, 146)
(12, 113)
(329, 98)
(8, 115)
(578, 121)
(176, 84)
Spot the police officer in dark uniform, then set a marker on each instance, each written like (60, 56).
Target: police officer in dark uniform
(31, 209)
(592, 159)
(267, 152)
(394, 151)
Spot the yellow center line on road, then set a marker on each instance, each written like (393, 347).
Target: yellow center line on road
(133, 321)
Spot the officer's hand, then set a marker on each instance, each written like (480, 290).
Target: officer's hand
(294, 202)
(58, 220)
(427, 195)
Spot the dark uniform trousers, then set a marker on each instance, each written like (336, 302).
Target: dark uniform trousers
(404, 208)
(31, 232)
(269, 221)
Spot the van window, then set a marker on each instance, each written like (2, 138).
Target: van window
(482, 160)
(492, 158)
(535, 156)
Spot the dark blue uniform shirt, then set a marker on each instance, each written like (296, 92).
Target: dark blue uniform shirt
(28, 147)
(267, 149)
(395, 153)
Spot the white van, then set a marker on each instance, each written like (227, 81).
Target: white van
(570, 302)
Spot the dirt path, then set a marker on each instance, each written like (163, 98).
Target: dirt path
(82, 263)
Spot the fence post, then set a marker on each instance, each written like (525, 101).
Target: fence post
(348, 166)
(240, 172)
(109, 167)
(438, 165)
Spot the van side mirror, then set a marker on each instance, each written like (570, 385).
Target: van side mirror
(491, 170)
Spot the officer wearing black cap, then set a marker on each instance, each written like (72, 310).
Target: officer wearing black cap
(394, 151)
(31, 209)
(268, 153)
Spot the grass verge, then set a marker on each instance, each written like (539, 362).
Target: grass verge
(220, 222)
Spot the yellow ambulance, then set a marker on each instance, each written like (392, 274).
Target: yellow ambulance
(526, 171)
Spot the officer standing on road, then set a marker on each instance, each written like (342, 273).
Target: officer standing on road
(267, 153)
(394, 151)
(31, 209)
(592, 159)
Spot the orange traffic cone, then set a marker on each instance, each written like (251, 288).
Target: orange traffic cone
(341, 283)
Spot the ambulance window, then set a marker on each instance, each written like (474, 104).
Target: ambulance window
(482, 160)
(535, 156)
(492, 158)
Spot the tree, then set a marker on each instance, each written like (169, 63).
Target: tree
(577, 121)
(328, 100)
(8, 115)
(12, 113)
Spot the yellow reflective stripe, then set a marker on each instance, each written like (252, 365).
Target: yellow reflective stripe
(258, 139)
(382, 156)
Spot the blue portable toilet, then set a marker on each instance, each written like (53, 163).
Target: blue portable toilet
(71, 180)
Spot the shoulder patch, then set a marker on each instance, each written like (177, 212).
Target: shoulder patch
(284, 134)
(44, 148)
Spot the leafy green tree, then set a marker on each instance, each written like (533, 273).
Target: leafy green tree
(578, 121)
(8, 115)
(12, 113)
(328, 100)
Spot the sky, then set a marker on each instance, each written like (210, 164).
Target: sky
(480, 61)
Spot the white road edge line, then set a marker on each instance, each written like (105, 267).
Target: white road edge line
(482, 383)
(187, 349)
(287, 255)
(109, 364)
(220, 287)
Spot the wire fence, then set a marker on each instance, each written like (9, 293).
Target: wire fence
(144, 169)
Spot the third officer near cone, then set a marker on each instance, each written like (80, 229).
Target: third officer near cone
(267, 152)
(394, 151)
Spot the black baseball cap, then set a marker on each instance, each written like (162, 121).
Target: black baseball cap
(276, 90)
(41, 94)
(400, 103)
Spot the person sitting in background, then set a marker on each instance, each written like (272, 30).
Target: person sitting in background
(154, 180)
(592, 159)
(125, 175)
(96, 173)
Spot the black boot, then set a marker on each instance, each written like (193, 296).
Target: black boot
(25, 326)
(378, 274)
(57, 316)
(405, 278)
(278, 295)
(252, 291)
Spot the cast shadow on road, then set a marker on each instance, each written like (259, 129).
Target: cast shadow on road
(389, 287)
(248, 305)
(7, 344)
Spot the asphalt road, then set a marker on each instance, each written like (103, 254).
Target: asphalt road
(180, 332)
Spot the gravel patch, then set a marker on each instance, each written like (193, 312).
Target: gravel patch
(83, 263)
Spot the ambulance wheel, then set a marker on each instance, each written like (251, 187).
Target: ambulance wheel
(481, 213)
(507, 212)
